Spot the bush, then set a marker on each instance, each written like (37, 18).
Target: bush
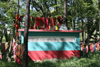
(92, 60)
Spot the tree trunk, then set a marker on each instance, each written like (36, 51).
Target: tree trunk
(65, 12)
(87, 40)
(25, 46)
(18, 13)
(82, 22)
(82, 29)
(99, 17)
(56, 4)
(13, 36)
(72, 14)
(61, 7)
(10, 50)
(88, 35)
(85, 31)
(1, 39)
(64, 23)
(5, 32)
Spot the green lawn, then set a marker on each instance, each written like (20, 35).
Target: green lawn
(93, 60)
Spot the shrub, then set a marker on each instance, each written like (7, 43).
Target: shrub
(92, 60)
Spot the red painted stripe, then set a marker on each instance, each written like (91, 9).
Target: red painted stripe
(35, 30)
(42, 55)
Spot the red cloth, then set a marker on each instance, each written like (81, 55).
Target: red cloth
(3, 48)
(43, 20)
(17, 33)
(20, 18)
(47, 23)
(51, 23)
(18, 61)
(55, 21)
(38, 22)
(60, 20)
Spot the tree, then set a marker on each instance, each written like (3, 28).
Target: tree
(99, 16)
(63, 25)
(65, 11)
(7, 18)
(25, 46)
(72, 14)
(91, 14)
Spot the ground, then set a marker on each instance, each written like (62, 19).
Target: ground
(93, 60)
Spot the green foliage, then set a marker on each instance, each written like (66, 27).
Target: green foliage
(8, 64)
(3, 40)
(79, 8)
(35, 14)
(8, 8)
(93, 60)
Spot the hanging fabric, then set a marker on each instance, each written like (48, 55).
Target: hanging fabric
(51, 23)
(16, 17)
(98, 46)
(1, 48)
(31, 25)
(47, 24)
(87, 48)
(60, 20)
(55, 23)
(94, 48)
(16, 24)
(20, 18)
(38, 23)
(43, 21)
(82, 47)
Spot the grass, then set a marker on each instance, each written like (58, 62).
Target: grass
(93, 60)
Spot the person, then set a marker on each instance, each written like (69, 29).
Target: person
(84, 51)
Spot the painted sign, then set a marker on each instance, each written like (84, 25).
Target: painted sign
(51, 39)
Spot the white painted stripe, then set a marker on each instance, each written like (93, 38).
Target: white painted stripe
(51, 39)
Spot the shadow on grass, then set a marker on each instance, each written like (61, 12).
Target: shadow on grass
(94, 65)
(93, 60)
(42, 64)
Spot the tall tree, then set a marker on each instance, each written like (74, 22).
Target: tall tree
(81, 13)
(99, 16)
(25, 46)
(72, 14)
(65, 14)
(7, 10)
(65, 11)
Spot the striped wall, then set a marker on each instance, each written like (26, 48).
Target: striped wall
(48, 45)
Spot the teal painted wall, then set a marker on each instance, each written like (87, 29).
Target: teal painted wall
(52, 46)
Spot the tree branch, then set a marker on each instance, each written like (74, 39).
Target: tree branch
(47, 9)
(40, 7)
(33, 2)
